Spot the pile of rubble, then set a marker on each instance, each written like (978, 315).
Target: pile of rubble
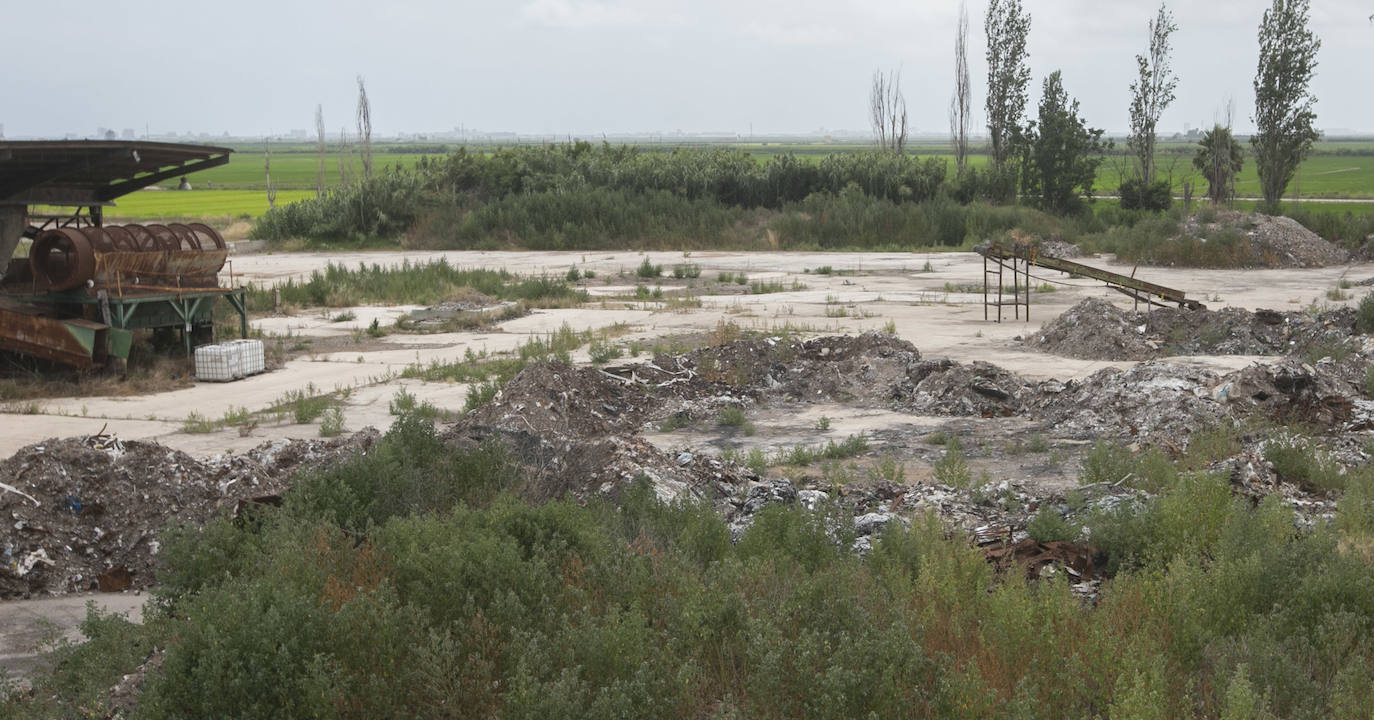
(1056, 247)
(1275, 241)
(86, 513)
(1095, 329)
(1167, 403)
(1153, 399)
(945, 387)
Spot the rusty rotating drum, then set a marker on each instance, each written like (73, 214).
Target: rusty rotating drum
(173, 254)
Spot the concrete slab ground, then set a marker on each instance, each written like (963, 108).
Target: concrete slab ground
(926, 297)
(27, 625)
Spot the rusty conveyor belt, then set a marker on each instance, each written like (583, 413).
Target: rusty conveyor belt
(1021, 256)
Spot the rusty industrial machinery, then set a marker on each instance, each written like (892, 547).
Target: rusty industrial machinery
(1018, 256)
(85, 287)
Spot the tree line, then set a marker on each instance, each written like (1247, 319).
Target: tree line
(583, 196)
(1052, 158)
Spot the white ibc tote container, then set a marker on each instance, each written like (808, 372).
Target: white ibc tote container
(251, 355)
(217, 363)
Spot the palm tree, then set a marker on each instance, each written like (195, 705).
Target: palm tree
(1220, 158)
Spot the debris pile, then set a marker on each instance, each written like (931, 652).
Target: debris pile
(85, 513)
(1055, 247)
(945, 387)
(859, 369)
(1168, 402)
(1275, 241)
(1095, 329)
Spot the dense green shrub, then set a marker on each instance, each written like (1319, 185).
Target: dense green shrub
(384, 206)
(410, 471)
(1347, 229)
(403, 583)
(1364, 315)
(1136, 195)
(431, 282)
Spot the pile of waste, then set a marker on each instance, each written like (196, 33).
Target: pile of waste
(945, 387)
(1056, 247)
(86, 513)
(1096, 329)
(1275, 241)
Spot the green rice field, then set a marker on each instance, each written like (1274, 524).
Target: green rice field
(199, 203)
(290, 171)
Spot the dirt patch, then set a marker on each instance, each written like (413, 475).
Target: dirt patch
(85, 513)
(1095, 329)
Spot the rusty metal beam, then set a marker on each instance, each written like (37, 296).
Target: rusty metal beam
(138, 183)
(13, 223)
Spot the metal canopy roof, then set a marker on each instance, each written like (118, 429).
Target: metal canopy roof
(94, 172)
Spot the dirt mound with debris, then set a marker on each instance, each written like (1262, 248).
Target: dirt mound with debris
(1275, 241)
(1167, 403)
(1157, 399)
(859, 369)
(557, 398)
(577, 429)
(945, 387)
(1096, 329)
(1057, 248)
(85, 513)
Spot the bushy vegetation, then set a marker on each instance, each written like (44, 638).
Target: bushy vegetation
(583, 196)
(411, 582)
(426, 283)
(383, 206)
(580, 196)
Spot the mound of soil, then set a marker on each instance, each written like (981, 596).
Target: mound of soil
(1168, 403)
(1095, 329)
(945, 387)
(1057, 248)
(556, 398)
(85, 513)
(1275, 241)
(862, 369)
(1156, 399)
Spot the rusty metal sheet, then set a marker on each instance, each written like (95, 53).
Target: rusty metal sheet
(71, 342)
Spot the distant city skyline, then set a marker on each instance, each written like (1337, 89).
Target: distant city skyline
(626, 67)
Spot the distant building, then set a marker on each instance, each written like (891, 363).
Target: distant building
(128, 134)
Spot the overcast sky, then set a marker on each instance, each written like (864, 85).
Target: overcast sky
(584, 67)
